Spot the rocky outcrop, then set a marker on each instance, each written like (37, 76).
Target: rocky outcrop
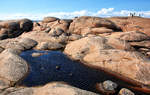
(26, 25)
(61, 24)
(49, 89)
(60, 89)
(27, 43)
(87, 24)
(132, 24)
(49, 46)
(97, 52)
(140, 41)
(79, 48)
(53, 23)
(13, 68)
(19, 44)
(49, 19)
(130, 36)
(14, 28)
(112, 45)
(45, 37)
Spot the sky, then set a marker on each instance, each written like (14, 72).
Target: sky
(38, 9)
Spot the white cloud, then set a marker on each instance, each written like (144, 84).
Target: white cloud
(104, 12)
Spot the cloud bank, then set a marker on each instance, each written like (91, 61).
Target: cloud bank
(104, 12)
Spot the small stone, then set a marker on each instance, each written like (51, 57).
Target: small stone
(36, 54)
(109, 85)
(58, 67)
(125, 91)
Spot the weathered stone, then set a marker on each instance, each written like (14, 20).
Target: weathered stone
(101, 30)
(125, 91)
(27, 43)
(61, 24)
(56, 32)
(60, 89)
(135, 23)
(26, 25)
(99, 52)
(130, 36)
(4, 84)
(14, 28)
(49, 46)
(119, 44)
(118, 61)
(11, 24)
(49, 19)
(45, 37)
(48, 89)
(17, 91)
(109, 85)
(13, 67)
(79, 48)
(141, 44)
(13, 51)
(89, 22)
(74, 37)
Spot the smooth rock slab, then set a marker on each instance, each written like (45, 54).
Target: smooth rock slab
(119, 60)
(100, 52)
(27, 43)
(61, 89)
(131, 36)
(49, 46)
(79, 48)
(90, 22)
(12, 67)
(48, 89)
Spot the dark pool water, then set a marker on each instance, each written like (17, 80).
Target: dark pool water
(55, 66)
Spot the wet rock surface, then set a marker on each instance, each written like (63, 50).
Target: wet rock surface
(87, 22)
(125, 91)
(109, 85)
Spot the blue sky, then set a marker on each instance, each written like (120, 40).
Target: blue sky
(37, 9)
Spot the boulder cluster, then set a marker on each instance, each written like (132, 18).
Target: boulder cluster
(120, 46)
